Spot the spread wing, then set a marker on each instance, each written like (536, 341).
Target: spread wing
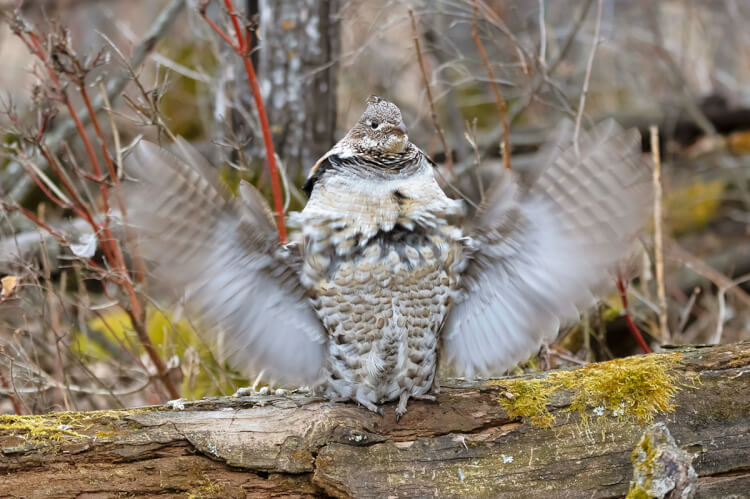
(226, 259)
(541, 250)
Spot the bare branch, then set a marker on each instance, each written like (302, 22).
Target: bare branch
(22, 185)
(446, 148)
(243, 49)
(658, 237)
(501, 108)
(589, 66)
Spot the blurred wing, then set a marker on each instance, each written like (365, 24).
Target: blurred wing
(225, 257)
(540, 251)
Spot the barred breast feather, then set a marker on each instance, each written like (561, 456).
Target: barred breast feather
(381, 259)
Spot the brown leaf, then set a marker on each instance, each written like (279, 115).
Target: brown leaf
(9, 284)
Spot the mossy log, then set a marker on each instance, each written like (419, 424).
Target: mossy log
(478, 439)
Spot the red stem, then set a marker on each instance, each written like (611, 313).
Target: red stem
(628, 320)
(236, 23)
(221, 33)
(499, 101)
(242, 48)
(12, 396)
(271, 156)
(108, 243)
(100, 134)
(59, 202)
(78, 206)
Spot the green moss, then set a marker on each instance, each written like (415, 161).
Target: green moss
(530, 399)
(37, 428)
(635, 388)
(57, 426)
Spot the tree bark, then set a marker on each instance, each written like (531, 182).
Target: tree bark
(466, 444)
(298, 74)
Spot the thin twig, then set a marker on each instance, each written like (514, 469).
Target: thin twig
(115, 133)
(685, 314)
(44, 382)
(542, 77)
(501, 107)
(494, 19)
(138, 264)
(106, 239)
(446, 148)
(78, 206)
(243, 48)
(700, 267)
(658, 238)
(587, 77)
(471, 137)
(58, 198)
(36, 171)
(28, 214)
(22, 186)
(12, 393)
(542, 36)
(721, 314)
(557, 352)
(586, 322)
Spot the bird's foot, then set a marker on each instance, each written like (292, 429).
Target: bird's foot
(401, 407)
(333, 401)
(370, 406)
(426, 396)
(404, 400)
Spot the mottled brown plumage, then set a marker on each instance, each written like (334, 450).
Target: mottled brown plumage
(382, 255)
(385, 270)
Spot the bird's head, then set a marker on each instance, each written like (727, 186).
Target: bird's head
(377, 143)
(380, 130)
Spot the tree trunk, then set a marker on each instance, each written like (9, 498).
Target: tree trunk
(298, 69)
(467, 444)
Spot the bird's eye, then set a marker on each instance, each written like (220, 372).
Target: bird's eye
(374, 124)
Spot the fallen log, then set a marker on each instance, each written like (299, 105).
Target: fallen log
(566, 434)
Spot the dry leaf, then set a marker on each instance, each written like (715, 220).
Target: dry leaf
(9, 284)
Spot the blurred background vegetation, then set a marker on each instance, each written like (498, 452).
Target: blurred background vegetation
(67, 334)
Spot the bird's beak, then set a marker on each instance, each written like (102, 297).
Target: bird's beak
(401, 128)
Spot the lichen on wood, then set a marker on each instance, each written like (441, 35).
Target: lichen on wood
(660, 467)
(57, 426)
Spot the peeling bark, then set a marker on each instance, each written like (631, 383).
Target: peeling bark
(463, 445)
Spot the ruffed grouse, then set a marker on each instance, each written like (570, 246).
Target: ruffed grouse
(386, 277)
